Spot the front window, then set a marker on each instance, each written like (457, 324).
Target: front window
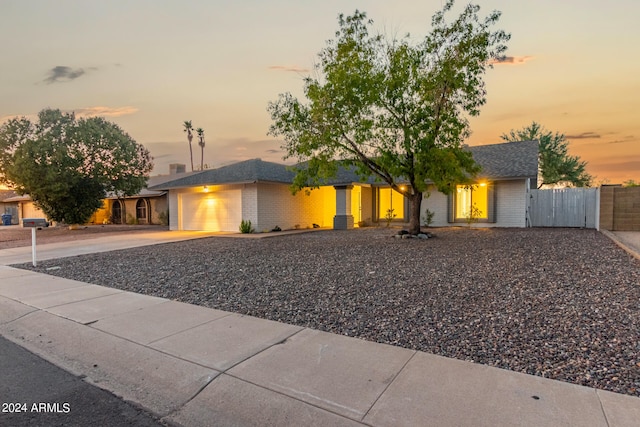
(390, 202)
(471, 200)
(141, 209)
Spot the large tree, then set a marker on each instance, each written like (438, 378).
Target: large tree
(556, 165)
(68, 166)
(393, 108)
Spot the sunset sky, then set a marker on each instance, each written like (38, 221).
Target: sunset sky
(149, 65)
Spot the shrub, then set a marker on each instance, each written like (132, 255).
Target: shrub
(427, 217)
(245, 226)
(473, 215)
(389, 216)
(163, 217)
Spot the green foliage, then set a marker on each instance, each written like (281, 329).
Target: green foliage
(132, 220)
(163, 217)
(389, 216)
(427, 218)
(556, 165)
(245, 227)
(393, 109)
(67, 166)
(472, 216)
(631, 183)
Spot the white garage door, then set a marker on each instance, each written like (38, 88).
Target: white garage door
(215, 211)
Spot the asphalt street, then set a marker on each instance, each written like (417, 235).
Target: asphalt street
(34, 392)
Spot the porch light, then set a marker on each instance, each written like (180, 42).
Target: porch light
(206, 189)
(483, 184)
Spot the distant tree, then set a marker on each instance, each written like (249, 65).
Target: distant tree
(631, 183)
(188, 128)
(556, 165)
(394, 109)
(67, 166)
(201, 143)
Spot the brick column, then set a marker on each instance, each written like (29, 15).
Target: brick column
(343, 219)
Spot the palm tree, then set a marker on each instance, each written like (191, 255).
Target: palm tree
(188, 128)
(200, 132)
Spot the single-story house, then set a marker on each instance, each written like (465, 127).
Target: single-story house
(145, 207)
(219, 199)
(8, 205)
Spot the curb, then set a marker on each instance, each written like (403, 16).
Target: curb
(618, 242)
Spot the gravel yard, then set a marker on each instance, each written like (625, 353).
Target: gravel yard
(558, 303)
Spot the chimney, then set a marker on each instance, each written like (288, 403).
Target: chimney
(176, 168)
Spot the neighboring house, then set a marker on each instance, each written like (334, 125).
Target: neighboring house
(9, 206)
(219, 199)
(24, 208)
(146, 207)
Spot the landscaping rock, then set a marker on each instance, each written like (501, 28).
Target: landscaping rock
(558, 303)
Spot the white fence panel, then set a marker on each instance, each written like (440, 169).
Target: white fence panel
(567, 207)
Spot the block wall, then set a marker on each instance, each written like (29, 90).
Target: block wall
(626, 209)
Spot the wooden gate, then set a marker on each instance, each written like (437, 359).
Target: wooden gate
(567, 207)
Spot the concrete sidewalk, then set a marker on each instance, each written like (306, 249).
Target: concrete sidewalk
(627, 240)
(195, 366)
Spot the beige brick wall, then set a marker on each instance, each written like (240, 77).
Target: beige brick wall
(511, 204)
(250, 204)
(366, 203)
(437, 203)
(276, 206)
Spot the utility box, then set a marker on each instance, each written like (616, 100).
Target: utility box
(34, 222)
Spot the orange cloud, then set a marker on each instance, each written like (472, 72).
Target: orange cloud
(105, 111)
(293, 68)
(5, 119)
(511, 60)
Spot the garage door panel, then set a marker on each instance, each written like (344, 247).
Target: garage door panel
(216, 211)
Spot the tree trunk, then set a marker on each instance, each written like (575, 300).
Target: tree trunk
(123, 212)
(415, 201)
(191, 155)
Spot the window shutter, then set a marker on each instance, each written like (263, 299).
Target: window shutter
(491, 202)
(451, 211)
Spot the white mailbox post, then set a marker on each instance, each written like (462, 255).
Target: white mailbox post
(34, 224)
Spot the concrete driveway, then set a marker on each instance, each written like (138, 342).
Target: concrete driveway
(98, 244)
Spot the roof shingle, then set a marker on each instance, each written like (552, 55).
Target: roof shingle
(509, 160)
